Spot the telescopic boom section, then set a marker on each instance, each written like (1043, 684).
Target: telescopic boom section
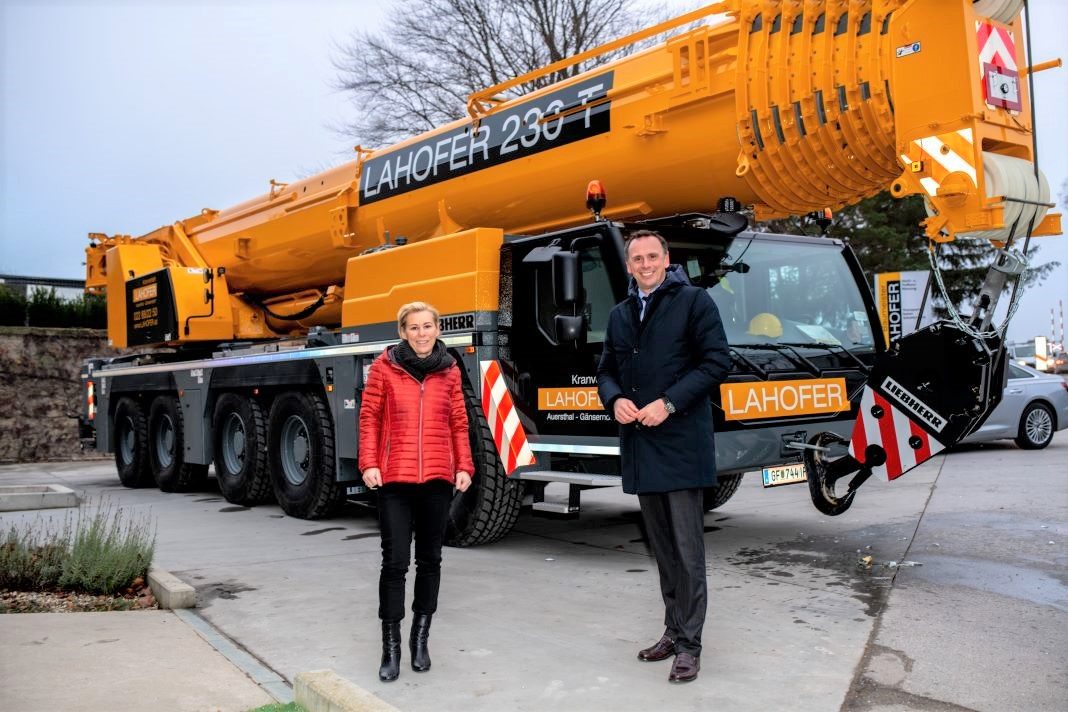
(788, 107)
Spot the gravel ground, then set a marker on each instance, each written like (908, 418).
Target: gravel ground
(133, 599)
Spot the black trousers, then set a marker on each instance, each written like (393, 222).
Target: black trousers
(674, 525)
(405, 510)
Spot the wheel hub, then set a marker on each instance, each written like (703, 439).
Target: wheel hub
(165, 442)
(234, 443)
(296, 450)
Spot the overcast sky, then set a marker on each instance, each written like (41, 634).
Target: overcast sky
(119, 116)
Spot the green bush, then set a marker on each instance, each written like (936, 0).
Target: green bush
(103, 551)
(109, 551)
(12, 307)
(33, 559)
(46, 309)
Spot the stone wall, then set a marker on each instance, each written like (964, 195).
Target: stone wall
(40, 391)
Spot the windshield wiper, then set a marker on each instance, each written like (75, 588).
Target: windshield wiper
(834, 347)
(752, 366)
(786, 350)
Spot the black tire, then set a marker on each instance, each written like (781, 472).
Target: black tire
(726, 486)
(166, 448)
(301, 455)
(131, 444)
(1036, 427)
(239, 440)
(489, 508)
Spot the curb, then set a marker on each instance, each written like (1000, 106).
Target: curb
(170, 591)
(14, 498)
(326, 691)
(271, 682)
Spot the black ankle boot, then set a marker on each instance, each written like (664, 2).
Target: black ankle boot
(391, 651)
(417, 642)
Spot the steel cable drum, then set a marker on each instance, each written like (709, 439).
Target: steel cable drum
(1000, 10)
(1011, 178)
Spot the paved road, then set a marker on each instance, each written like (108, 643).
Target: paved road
(965, 605)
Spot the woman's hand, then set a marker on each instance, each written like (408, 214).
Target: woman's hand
(372, 477)
(463, 481)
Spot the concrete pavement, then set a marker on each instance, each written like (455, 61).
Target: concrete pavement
(550, 618)
(89, 662)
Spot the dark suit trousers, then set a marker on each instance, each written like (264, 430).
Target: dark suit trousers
(674, 524)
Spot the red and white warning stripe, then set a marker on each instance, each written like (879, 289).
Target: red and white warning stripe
(996, 44)
(892, 430)
(508, 433)
(997, 65)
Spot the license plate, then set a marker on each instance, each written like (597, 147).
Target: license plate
(784, 475)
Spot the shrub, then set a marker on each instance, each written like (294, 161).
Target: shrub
(108, 552)
(102, 552)
(33, 558)
(12, 307)
(46, 309)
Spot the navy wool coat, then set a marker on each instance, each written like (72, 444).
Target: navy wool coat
(680, 351)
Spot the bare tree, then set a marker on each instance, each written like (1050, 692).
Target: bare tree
(434, 53)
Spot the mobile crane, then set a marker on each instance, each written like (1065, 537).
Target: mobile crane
(254, 326)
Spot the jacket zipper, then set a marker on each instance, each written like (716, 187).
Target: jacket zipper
(422, 392)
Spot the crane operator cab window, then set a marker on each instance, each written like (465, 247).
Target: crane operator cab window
(778, 295)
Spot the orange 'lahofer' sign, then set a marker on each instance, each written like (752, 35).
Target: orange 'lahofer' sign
(783, 399)
(569, 399)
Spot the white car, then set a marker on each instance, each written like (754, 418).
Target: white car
(1023, 353)
(1033, 407)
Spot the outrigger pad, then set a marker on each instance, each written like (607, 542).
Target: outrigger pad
(929, 390)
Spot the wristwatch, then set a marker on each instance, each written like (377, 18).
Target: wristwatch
(668, 405)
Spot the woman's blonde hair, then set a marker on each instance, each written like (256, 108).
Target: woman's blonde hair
(411, 308)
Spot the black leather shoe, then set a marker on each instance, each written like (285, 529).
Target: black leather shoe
(417, 642)
(685, 668)
(663, 650)
(391, 651)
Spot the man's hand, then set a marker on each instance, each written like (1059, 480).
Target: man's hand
(625, 410)
(372, 477)
(653, 414)
(463, 481)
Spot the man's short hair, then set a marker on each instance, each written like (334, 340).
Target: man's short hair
(638, 234)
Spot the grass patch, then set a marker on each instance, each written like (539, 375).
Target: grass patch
(101, 550)
(290, 707)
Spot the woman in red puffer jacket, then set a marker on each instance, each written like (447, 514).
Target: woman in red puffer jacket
(414, 449)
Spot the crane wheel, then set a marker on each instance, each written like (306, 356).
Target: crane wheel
(489, 508)
(166, 448)
(239, 429)
(300, 436)
(131, 444)
(726, 486)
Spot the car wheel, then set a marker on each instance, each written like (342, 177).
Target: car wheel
(1036, 427)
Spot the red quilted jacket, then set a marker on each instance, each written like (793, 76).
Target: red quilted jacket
(412, 431)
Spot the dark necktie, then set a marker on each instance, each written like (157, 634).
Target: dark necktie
(645, 305)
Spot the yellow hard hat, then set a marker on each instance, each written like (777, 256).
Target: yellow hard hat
(765, 324)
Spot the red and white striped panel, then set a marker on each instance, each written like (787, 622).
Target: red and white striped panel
(996, 44)
(508, 433)
(892, 432)
(997, 59)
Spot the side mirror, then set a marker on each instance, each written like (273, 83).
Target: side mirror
(567, 282)
(569, 329)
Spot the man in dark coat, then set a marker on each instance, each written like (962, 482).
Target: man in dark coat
(664, 352)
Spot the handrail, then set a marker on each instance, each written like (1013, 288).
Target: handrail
(482, 101)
